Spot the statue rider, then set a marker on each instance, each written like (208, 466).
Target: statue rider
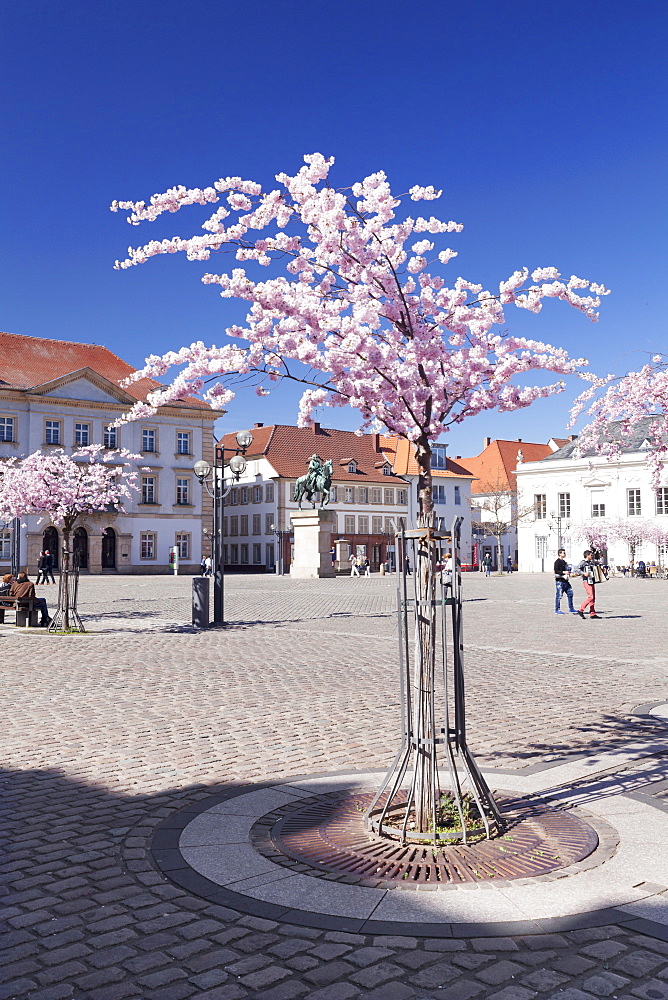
(314, 467)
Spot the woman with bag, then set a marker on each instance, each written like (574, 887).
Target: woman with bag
(591, 575)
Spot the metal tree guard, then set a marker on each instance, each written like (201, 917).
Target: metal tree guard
(68, 594)
(433, 714)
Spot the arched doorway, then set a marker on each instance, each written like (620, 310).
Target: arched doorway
(80, 548)
(51, 544)
(109, 549)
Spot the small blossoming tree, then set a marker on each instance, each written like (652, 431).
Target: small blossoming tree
(634, 531)
(64, 487)
(368, 321)
(596, 532)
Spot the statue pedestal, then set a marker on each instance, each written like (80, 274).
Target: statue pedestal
(313, 541)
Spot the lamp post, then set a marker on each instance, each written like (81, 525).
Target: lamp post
(279, 532)
(220, 490)
(558, 518)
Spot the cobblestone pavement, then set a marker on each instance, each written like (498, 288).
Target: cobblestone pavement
(106, 734)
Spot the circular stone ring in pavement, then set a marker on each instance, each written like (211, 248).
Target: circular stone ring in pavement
(241, 848)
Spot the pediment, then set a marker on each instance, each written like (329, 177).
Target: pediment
(86, 385)
(596, 484)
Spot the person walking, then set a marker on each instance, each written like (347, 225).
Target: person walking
(367, 567)
(41, 569)
(354, 566)
(509, 564)
(562, 584)
(487, 563)
(202, 566)
(586, 571)
(48, 568)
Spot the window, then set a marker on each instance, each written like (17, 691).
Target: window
(402, 497)
(148, 490)
(257, 555)
(270, 555)
(541, 546)
(234, 497)
(540, 506)
(349, 494)
(82, 435)
(269, 493)
(291, 490)
(633, 503)
(183, 546)
(234, 525)
(350, 524)
(564, 505)
(376, 525)
(234, 554)
(268, 521)
(257, 524)
(147, 440)
(110, 437)
(662, 500)
(387, 470)
(225, 555)
(438, 493)
(243, 495)
(332, 495)
(183, 492)
(352, 466)
(244, 555)
(183, 443)
(363, 525)
(51, 432)
(224, 527)
(376, 496)
(362, 494)
(243, 528)
(6, 428)
(389, 496)
(148, 545)
(257, 494)
(598, 510)
(458, 495)
(438, 456)
(390, 525)
(5, 546)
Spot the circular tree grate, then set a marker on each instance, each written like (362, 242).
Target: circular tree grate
(326, 833)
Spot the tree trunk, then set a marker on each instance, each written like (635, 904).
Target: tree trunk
(499, 556)
(64, 592)
(425, 648)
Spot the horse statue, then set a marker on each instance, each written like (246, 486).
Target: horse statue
(318, 479)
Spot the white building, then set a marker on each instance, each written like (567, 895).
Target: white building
(566, 492)
(58, 394)
(367, 495)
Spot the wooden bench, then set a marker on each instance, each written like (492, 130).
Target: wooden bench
(26, 608)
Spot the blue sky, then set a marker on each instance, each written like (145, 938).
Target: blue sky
(545, 125)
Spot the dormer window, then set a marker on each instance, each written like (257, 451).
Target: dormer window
(439, 457)
(352, 466)
(387, 470)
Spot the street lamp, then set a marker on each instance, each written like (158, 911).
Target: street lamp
(216, 477)
(279, 532)
(558, 518)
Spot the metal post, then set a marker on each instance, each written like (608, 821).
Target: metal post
(216, 554)
(16, 546)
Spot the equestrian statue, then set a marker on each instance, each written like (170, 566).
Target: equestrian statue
(318, 479)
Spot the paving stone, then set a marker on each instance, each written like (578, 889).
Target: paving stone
(544, 980)
(284, 991)
(512, 993)
(570, 994)
(367, 956)
(254, 942)
(374, 975)
(417, 959)
(652, 990)
(111, 956)
(337, 991)
(395, 941)
(214, 977)
(162, 978)
(440, 974)
(573, 965)
(466, 960)
(247, 965)
(231, 991)
(302, 962)
(444, 944)
(462, 989)
(329, 950)
(291, 946)
(638, 963)
(56, 974)
(60, 992)
(604, 949)
(17, 988)
(391, 991)
(265, 977)
(654, 944)
(494, 944)
(500, 972)
(322, 975)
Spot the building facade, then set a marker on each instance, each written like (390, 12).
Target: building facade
(565, 492)
(57, 394)
(367, 496)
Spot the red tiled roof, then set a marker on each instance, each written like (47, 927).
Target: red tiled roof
(493, 467)
(405, 463)
(289, 449)
(28, 362)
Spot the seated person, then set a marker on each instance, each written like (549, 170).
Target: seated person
(22, 587)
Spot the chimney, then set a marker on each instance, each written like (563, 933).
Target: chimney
(486, 442)
(572, 437)
(258, 425)
(316, 428)
(375, 442)
(519, 440)
(458, 457)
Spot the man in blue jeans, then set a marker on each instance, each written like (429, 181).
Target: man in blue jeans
(562, 584)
